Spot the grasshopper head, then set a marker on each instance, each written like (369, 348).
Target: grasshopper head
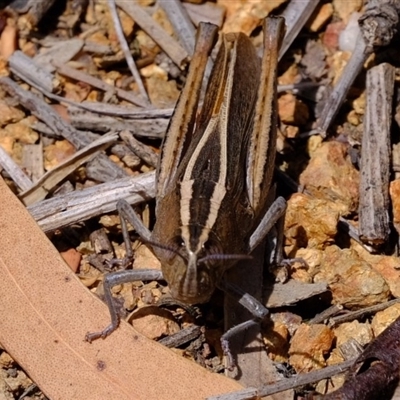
(190, 271)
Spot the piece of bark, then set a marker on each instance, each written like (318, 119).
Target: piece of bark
(291, 292)
(183, 336)
(60, 52)
(375, 155)
(181, 22)
(46, 311)
(31, 71)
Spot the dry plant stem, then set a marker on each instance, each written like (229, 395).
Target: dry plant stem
(352, 315)
(29, 71)
(285, 384)
(99, 84)
(17, 175)
(375, 155)
(125, 48)
(47, 182)
(35, 9)
(142, 151)
(149, 128)
(59, 212)
(170, 46)
(296, 14)
(181, 22)
(338, 95)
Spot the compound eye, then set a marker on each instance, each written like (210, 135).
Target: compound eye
(211, 247)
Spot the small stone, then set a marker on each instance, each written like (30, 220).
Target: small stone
(353, 330)
(6, 361)
(352, 281)
(388, 267)
(310, 222)
(320, 18)
(332, 34)
(145, 259)
(309, 346)
(244, 16)
(9, 114)
(353, 118)
(154, 322)
(331, 175)
(345, 8)
(394, 190)
(383, 319)
(291, 110)
(58, 152)
(72, 258)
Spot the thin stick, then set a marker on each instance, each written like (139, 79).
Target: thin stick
(285, 384)
(338, 95)
(125, 49)
(352, 315)
(296, 14)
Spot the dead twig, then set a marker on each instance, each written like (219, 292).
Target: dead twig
(125, 48)
(375, 155)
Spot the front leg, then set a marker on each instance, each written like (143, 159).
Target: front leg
(117, 278)
(128, 214)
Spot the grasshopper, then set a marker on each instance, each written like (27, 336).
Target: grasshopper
(214, 175)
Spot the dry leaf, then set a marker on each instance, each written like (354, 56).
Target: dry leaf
(46, 312)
